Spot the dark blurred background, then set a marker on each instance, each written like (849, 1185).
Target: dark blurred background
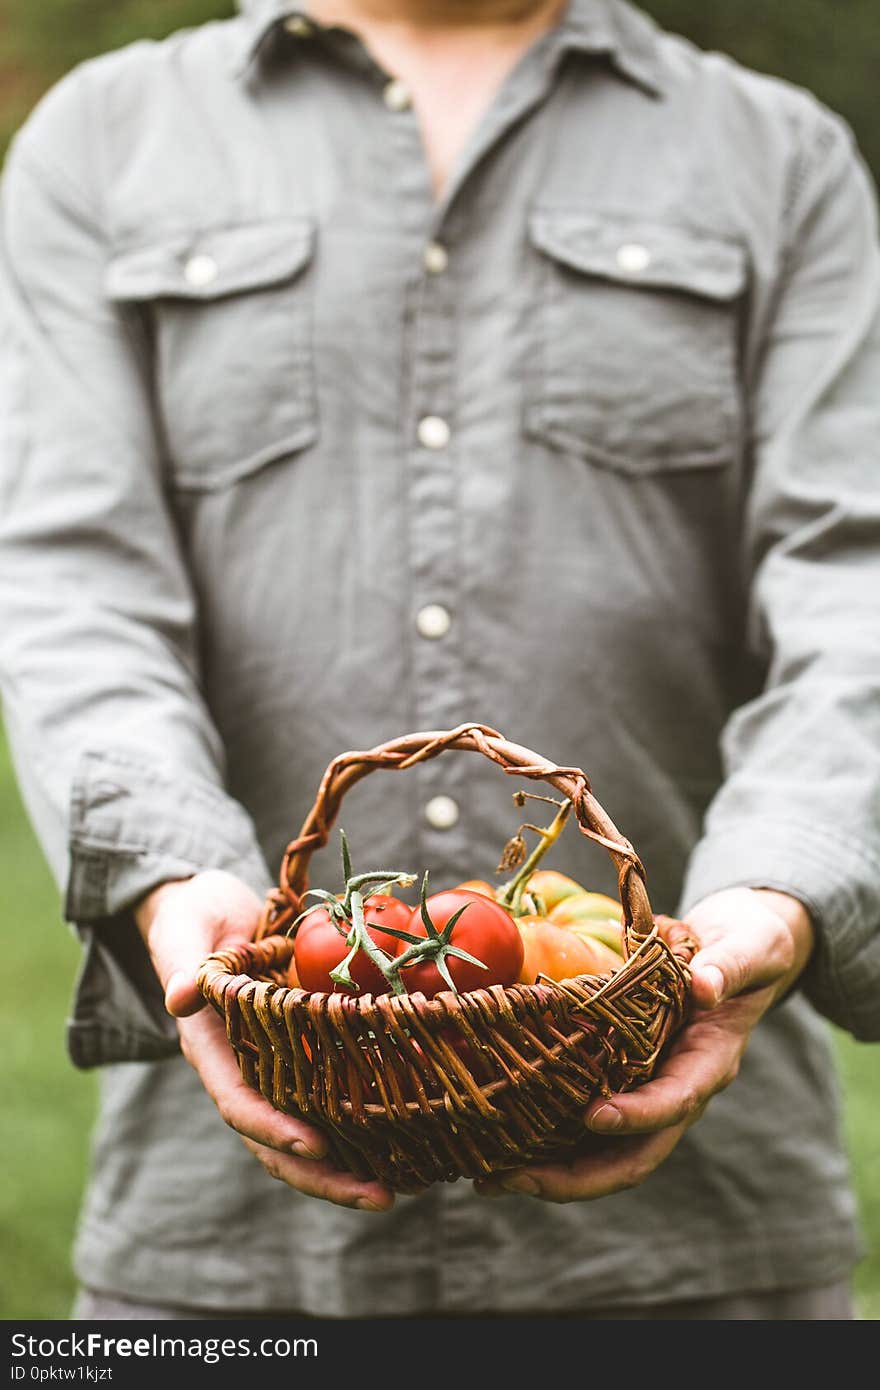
(829, 46)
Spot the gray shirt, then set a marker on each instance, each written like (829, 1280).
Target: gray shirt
(295, 460)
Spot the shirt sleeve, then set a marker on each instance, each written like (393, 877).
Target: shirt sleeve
(799, 807)
(120, 764)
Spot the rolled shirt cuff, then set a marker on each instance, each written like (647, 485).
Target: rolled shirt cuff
(838, 881)
(135, 825)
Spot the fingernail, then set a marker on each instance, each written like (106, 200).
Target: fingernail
(606, 1119)
(364, 1204)
(713, 976)
(302, 1150)
(522, 1183)
(178, 978)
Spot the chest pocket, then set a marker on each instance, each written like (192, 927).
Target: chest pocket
(229, 316)
(636, 363)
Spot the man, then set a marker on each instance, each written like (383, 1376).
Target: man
(396, 364)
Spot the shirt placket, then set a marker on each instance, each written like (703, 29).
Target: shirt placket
(436, 559)
(436, 453)
(434, 459)
(464, 1261)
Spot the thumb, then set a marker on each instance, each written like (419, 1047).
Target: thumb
(192, 920)
(744, 950)
(709, 981)
(182, 994)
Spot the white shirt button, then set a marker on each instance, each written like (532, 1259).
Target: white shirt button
(298, 26)
(436, 258)
(433, 432)
(396, 96)
(433, 621)
(200, 271)
(633, 257)
(441, 812)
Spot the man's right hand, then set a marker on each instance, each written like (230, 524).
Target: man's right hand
(182, 922)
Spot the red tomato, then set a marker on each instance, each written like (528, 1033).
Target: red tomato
(484, 929)
(319, 946)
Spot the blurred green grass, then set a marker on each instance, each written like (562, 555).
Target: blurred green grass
(49, 1105)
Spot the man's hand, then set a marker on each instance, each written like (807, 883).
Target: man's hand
(182, 923)
(753, 946)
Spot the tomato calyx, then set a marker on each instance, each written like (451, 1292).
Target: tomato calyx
(346, 912)
(435, 945)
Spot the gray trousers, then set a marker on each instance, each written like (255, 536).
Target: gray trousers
(830, 1302)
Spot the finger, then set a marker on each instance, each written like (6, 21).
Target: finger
(701, 1065)
(206, 1048)
(321, 1179)
(623, 1164)
(749, 955)
(207, 911)
(179, 943)
(182, 994)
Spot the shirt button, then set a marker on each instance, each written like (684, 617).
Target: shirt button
(433, 432)
(633, 258)
(200, 271)
(433, 621)
(436, 258)
(441, 812)
(298, 26)
(396, 96)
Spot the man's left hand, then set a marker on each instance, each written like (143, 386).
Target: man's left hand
(753, 945)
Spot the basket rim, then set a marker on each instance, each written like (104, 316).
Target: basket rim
(285, 901)
(215, 978)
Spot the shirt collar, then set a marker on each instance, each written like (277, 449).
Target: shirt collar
(628, 37)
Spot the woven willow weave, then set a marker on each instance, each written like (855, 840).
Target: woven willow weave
(415, 1091)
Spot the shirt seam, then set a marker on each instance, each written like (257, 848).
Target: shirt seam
(48, 176)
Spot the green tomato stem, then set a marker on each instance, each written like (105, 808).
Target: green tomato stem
(359, 939)
(387, 878)
(511, 895)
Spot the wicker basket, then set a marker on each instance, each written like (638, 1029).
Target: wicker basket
(415, 1091)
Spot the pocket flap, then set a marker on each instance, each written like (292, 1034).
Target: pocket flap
(211, 264)
(635, 252)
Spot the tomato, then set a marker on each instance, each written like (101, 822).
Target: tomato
(593, 914)
(552, 887)
(319, 946)
(476, 885)
(561, 954)
(485, 930)
(587, 907)
(609, 933)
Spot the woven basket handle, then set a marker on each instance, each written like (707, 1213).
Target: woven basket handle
(286, 902)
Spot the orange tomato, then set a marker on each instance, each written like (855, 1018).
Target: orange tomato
(608, 933)
(552, 887)
(586, 907)
(476, 885)
(561, 954)
(593, 914)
